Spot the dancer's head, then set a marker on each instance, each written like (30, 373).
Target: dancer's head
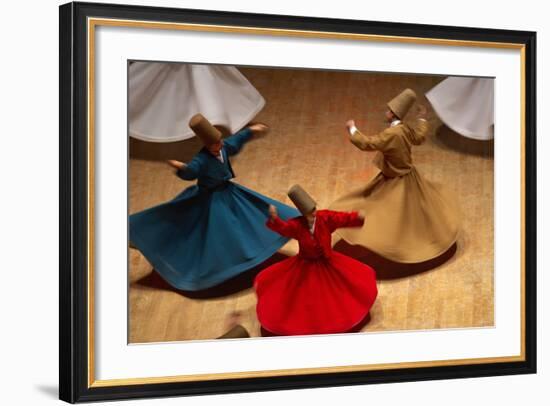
(400, 105)
(215, 148)
(390, 116)
(210, 136)
(310, 217)
(303, 202)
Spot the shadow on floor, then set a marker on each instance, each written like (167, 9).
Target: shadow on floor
(387, 269)
(236, 284)
(162, 151)
(356, 329)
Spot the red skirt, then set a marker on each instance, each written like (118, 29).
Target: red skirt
(300, 296)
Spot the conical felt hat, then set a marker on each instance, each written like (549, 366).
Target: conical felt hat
(401, 103)
(205, 131)
(301, 199)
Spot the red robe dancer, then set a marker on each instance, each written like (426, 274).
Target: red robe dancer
(318, 291)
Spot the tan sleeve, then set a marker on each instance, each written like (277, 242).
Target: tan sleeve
(421, 128)
(378, 142)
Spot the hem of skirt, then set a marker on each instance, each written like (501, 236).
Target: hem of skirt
(138, 135)
(347, 330)
(214, 281)
(462, 131)
(401, 261)
(146, 138)
(248, 118)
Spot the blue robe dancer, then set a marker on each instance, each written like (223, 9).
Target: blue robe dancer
(211, 231)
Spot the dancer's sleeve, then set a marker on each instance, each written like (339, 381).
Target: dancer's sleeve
(285, 228)
(234, 143)
(420, 129)
(378, 142)
(338, 219)
(192, 170)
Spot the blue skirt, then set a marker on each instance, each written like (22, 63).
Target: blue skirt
(206, 236)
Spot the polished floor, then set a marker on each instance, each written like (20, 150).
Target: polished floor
(306, 111)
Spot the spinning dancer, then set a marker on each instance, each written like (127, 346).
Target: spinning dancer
(164, 96)
(411, 219)
(318, 291)
(465, 105)
(213, 230)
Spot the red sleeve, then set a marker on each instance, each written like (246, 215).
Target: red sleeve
(338, 219)
(285, 228)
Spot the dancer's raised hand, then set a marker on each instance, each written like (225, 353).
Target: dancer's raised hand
(177, 164)
(273, 212)
(421, 111)
(259, 129)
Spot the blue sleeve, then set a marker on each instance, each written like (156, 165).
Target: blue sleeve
(234, 143)
(192, 171)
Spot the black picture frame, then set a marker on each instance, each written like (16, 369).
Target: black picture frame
(74, 200)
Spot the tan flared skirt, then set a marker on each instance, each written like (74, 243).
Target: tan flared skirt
(407, 219)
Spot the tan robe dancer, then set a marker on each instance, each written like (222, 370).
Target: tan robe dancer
(408, 218)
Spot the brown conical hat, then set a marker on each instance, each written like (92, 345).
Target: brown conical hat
(401, 103)
(301, 199)
(205, 131)
(236, 332)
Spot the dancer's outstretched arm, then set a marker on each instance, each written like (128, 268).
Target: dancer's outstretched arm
(275, 223)
(188, 171)
(338, 219)
(364, 142)
(420, 125)
(234, 143)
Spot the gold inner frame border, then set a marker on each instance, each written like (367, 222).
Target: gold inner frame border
(94, 22)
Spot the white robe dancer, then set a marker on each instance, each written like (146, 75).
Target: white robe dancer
(466, 105)
(164, 96)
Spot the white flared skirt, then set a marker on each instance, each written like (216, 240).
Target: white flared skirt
(164, 96)
(466, 105)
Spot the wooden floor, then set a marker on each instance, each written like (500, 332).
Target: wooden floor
(308, 145)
